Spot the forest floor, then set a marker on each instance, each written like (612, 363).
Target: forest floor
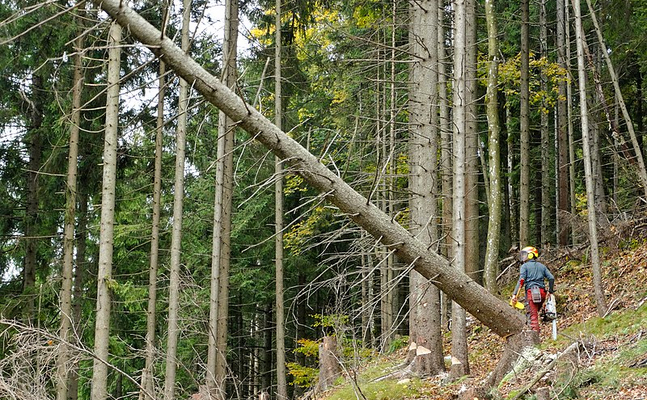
(609, 362)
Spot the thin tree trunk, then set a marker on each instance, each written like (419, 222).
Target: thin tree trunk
(460, 366)
(68, 230)
(104, 275)
(524, 122)
(282, 390)
(147, 373)
(392, 161)
(592, 216)
(445, 154)
(563, 198)
(81, 264)
(383, 254)
(266, 372)
(570, 113)
(472, 243)
(148, 387)
(596, 168)
(221, 250)
(546, 176)
(494, 131)
(510, 164)
(176, 231)
(491, 311)
(34, 139)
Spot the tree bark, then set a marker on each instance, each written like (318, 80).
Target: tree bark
(221, 248)
(524, 122)
(563, 197)
(329, 365)
(281, 381)
(176, 230)
(513, 350)
(570, 113)
(545, 236)
(104, 275)
(81, 264)
(446, 156)
(494, 132)
(424, 298)
(488, 309)
(67, 274)
(588, 168)
(147, 374)
(472, 243)
(34, 144)
(460, 365)
(511, 160)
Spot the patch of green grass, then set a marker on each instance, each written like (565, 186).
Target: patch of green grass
(377, 369)
(382, 390)
(612, 373)
(632, 353)
(618, 323)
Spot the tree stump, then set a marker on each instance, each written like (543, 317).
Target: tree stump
(513, 349)
(329, 365)
(263, 396)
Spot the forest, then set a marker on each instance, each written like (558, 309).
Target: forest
(239, 199)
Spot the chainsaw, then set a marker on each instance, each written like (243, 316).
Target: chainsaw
(550, 313)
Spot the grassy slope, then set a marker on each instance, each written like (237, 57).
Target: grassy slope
(611, 365)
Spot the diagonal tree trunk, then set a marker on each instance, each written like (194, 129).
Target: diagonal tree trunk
(490, 310)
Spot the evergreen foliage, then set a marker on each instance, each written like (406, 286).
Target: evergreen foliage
(345, 98)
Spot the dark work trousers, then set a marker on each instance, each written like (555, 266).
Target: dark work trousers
(534, 309)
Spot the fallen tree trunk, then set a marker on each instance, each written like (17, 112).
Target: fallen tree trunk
(490, 310)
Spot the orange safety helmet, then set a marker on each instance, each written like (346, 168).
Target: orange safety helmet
(528, 253)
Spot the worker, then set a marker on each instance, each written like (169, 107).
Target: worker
(533, 274)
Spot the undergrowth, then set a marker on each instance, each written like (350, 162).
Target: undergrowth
(611, 363)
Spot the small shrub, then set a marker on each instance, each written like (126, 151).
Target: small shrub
(304, 377)
(398, 343)
(307, 347)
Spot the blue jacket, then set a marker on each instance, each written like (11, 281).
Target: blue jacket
(533, 274)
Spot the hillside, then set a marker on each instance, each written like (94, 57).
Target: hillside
(609, 362)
